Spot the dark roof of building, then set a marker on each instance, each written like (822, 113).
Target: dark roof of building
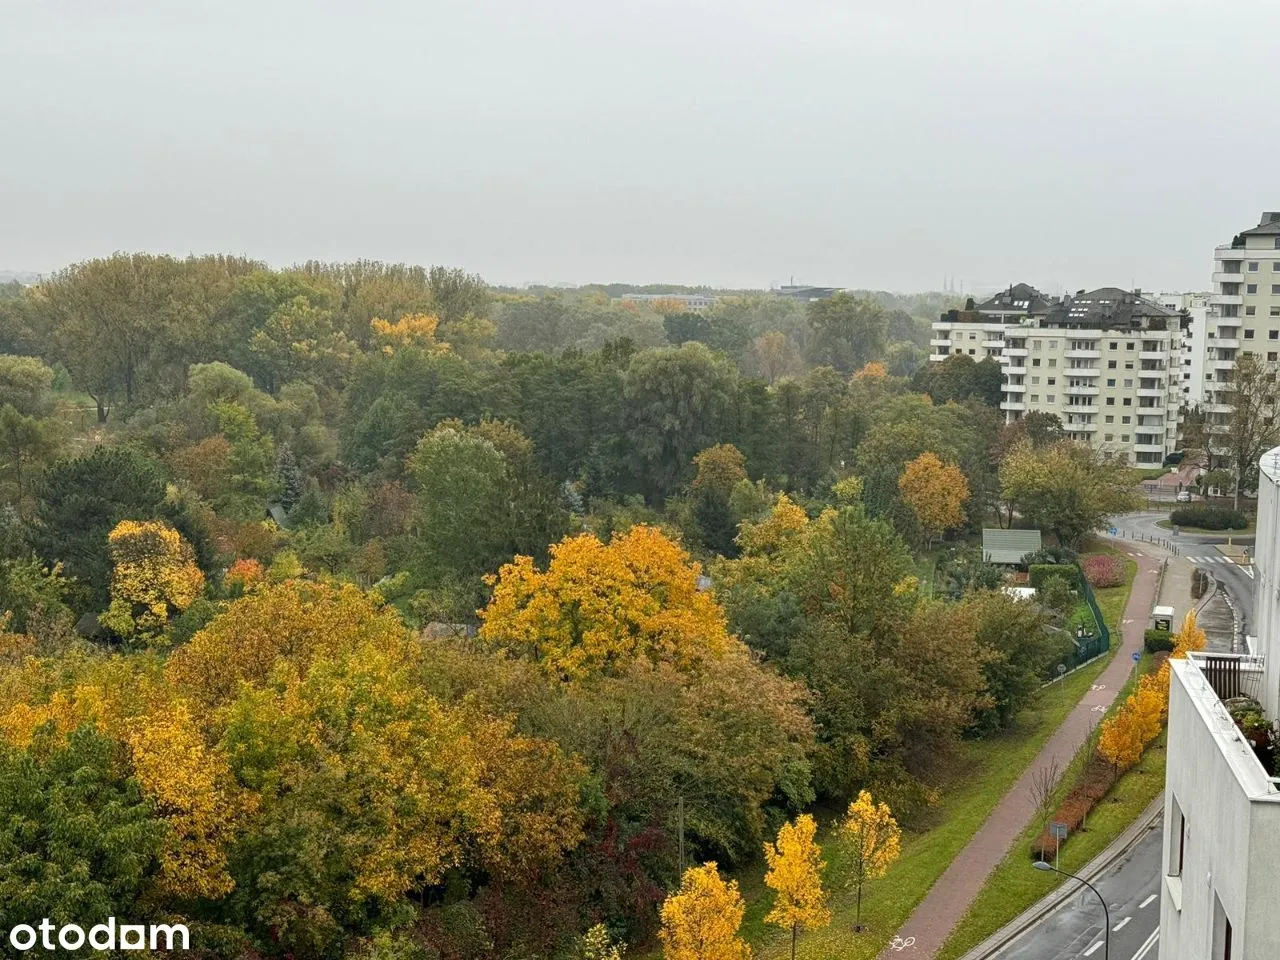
(802, 292)
(1109, 308)
(1020, 297)
(1269, 225)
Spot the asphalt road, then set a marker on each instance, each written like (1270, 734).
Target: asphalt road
(1143, 525)
(1074, 929)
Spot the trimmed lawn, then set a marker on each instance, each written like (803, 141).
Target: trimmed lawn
(1244, 532)
(1015, 886)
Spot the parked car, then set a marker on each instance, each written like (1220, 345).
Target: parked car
(1184, 496)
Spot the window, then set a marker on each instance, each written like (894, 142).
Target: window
(1253, 266)
(1053, 344)
(1053, 361)
(1128, 382)
(971, 351)
(1275, 266)
(1249, 311)
(1035, 362)
(1111, 401)
(1250, 288)
(1035, 398)
(1248, 334)
(1111, 345)
(1125, 419)
(958, 350)
(1051, 381)
(1050, 398)
(1035, 381)
(1108, 437)
(1110, 418)
(1111, 364)
(1124, 438)
(1278, 243)
(1128, 401)
(1273, 334)
(1129, 345)
(1035, 344)
(1275, 289)
(1271, 355)
(1111, 381)
(1275, 311)
(973, 336)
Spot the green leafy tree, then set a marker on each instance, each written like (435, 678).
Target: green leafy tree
(676, 401)
(847, 331)
(26, 445)
(1068, 489)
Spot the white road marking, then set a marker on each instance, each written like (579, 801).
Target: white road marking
(1146, 947)
(1120, 926)
(1094, 949)
(1146, 902)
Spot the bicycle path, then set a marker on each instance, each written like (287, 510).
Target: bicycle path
(947, 901)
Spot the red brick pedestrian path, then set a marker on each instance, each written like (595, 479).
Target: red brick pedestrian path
(949, 898)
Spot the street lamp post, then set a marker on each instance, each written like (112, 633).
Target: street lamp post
(1106, 914)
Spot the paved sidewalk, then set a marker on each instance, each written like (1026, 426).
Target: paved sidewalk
(949, 898)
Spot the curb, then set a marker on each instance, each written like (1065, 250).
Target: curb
(1118, 849)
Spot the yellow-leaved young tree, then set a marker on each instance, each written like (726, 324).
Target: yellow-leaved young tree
(795, 874)
(936, 492)
(700, 921)
(1189, 638)
(1120, 742)
(154, 577)
(874, 842)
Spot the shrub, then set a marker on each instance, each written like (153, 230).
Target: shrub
(1103, 570)
(1084, 796)
(1157, 640)
(1209, 518)
(1040, 572)
(1050, 555)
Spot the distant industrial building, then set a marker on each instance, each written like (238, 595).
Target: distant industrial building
(689, 301)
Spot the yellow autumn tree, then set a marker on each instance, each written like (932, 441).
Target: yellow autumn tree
(154, 577)
(1120, 740)
(873, 840)
(783, 524)
(275, 627)
(936, 492)
(599, 607)
(194, 793)
(1189, 638)
(700, 921)
(875, 370)
(411, 330)
(795, 875)
(1148, 706)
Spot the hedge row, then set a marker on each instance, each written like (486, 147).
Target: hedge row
(1097, 780)
(1209, 518)
(1157, 640)
(1040, 572)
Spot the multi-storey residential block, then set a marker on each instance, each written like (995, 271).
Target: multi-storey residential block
(1221, 862)
(1107, 362)
(1244, 313)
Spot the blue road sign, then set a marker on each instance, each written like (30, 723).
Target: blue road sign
(1112, 531)
(1136, 656)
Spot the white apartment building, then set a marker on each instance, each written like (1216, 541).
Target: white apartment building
(1194, 349)
(1221, 864)
(1244, 313)
(1106, 362)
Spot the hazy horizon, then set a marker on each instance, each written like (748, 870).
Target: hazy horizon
(717, 143)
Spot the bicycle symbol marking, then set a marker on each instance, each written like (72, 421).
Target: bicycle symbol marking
(898, 944)
(1099, 709)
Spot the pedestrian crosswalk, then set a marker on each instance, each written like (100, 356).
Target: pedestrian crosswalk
(1214, 558)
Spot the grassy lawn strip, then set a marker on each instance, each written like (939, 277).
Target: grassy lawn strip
(1015, 886)
(1246, 532)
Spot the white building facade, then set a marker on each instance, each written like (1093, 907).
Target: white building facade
(1220, 895)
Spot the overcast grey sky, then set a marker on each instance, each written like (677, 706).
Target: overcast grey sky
(735, 142)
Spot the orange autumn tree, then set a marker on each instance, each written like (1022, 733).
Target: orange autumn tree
(1120, 741)
(936, 492)
(1189, 638)
(599, 607)
(411, 330)
(153, 578)
(874, 370)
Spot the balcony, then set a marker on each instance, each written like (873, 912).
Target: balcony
(1226, 276)
(1225, 343)
(1153, 354)
(1153, 391)
(1081, 391)
(1084, 372)
(1015, 351)
(939, 342)
(1013, 371)
(1148, 448)
(993, 344)
(1214, 407)
(1015, 388)
(1222, 364)
(1226, 299)
(1084, 354)
(1012, 405)
(1080, 427)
